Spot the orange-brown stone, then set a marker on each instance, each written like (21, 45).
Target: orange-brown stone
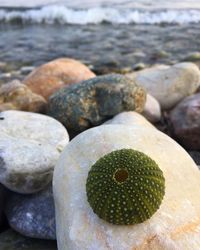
(55, 74)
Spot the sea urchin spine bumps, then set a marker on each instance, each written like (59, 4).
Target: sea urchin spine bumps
(125, 187)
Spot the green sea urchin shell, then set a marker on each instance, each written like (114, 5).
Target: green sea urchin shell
(125, 187)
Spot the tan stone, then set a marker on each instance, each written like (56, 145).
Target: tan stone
(175, 226)
(55, 74)
(17, 96)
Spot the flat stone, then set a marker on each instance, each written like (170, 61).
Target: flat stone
(17, 96)
(175, 225)
(30, 145)
(32, 215)
(51, 76)
(94, 101)
(10, 240)
(185, 121)
(169, 84)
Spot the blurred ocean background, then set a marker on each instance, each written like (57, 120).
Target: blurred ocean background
(105, 34)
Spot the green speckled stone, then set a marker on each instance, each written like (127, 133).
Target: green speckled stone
(125, 187)
(92, 102)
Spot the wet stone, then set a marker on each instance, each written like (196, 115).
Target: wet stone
(32, 215)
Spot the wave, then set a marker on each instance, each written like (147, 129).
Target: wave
(63, 15)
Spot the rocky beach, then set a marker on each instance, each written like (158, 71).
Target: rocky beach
(101, 96)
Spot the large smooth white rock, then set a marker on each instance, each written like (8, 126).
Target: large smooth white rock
(30, 145)
(176, 225)
(169, 84)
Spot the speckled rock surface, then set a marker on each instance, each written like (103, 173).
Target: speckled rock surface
(185, 120)
(30, 145)
(10, 240)
(55, 74)
(32, 215)
(130, 118)
(152, 110)
(92, 102)
(169, 84)
(176, 225)
(15, 95)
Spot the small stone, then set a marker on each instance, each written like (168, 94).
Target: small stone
(30, 145)
(94, 101)
(185, 120)
(152, 110)
(32, 215)
(11, 240)
(169, 84)
(139, 66)
(15, 95)
(130, 118)
(193, 57)
(27, 69)
(55, 74)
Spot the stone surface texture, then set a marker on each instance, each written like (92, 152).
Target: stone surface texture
(169, 84)
(55, 74)
(152, 109)
(176, 225)
(92, 102)
(17, 96)
(30, 145)
(185, 121)
(130, 118)
(32, 215)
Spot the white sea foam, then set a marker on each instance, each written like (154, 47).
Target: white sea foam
(64, 15)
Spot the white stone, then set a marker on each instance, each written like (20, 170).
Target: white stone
(175, 226)
(130, 118)
(30, 145)
(152, 110)
(169, 84)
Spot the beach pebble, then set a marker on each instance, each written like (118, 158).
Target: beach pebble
(32, 215)
(152, 110)
(185, 120)
(130, 118)
(11, 240)
(55, 74)
(175, 225)
(169, 84)
(94, 101)
(30, 145)
(15, 95)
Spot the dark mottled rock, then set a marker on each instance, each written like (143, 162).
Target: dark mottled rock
(32, 215)
(94, 101)
(185, 120)
(2, 201)
(196, 157)
(11, 240)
